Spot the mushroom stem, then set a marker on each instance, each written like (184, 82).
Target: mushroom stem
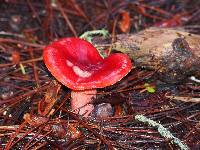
(80, 101)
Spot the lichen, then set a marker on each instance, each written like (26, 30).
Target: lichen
(163, 131)
(89, 34)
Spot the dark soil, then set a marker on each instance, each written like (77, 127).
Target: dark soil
(25, 84)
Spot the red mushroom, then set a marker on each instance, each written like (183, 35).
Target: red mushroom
(77, 64)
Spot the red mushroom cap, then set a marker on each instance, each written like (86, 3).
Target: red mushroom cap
(77, 64)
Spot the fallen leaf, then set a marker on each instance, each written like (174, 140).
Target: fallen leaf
(125, 23)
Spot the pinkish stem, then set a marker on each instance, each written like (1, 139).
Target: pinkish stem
(80, 101)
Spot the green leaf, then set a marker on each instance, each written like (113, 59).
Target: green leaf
(149, 88)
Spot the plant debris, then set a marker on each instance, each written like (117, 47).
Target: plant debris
(35, 109)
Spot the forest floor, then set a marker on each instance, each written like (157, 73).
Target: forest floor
(144, 116)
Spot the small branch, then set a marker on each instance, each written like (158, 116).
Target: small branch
(22, 62)
(163, 131)
(7, 40)
(185, 99)
(66, 18)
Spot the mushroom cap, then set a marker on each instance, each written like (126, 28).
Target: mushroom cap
(77, 64)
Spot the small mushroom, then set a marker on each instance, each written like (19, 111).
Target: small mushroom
(77, 64)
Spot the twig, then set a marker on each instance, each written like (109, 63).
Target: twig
(89, 128)
(193, 78)
(7, 40)
(66, 18)
(163, 131)
(34, 68)
(185, 99)
(23, 62)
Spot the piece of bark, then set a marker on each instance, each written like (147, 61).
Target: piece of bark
(174, 54)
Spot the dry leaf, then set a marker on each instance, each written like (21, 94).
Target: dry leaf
(125, 22)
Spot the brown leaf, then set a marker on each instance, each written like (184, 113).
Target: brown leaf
(125, 23)
(51, 96)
